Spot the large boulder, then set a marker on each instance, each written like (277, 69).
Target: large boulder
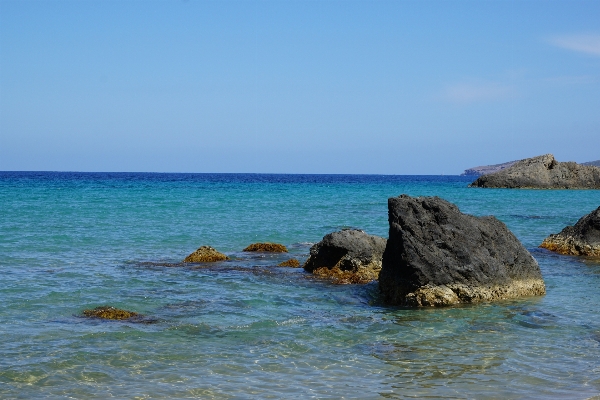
(438, 256)
(542, 172)
(347, 256)
(582, 239)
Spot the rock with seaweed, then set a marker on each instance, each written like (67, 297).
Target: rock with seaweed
(292, 263)
(267, 247)
(109, 312)
(581, 239)
(347, 256)
(205, 254)
(542, 172)
(437, 256)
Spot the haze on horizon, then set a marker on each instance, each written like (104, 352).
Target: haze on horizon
(386, 87)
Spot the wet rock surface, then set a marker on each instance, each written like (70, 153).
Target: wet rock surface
(347, 256)
(581, 239)
(542, 172)
(267, 247)
(437, 256)
(205, 254)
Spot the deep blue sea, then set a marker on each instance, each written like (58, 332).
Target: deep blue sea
(246, 329)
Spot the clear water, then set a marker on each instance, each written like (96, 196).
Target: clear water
(247, 329)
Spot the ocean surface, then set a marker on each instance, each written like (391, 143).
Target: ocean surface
(246, 329)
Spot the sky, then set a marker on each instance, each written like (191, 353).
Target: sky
(351, 87)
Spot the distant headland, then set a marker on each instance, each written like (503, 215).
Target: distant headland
(490, 169)
(542, 172)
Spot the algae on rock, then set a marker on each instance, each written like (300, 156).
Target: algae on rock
(582, 239)
(292, 262)
(205, 254)
(109, 312)
(347, 256)
(267, 247)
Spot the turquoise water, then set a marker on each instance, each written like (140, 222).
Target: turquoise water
(247, 329)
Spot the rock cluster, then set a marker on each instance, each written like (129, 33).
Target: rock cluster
(347, 256)
(436, 256)
(205, 254)
(542, 172)
(582, 239)
(267, 247)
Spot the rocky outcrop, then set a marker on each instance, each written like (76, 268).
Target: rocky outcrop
(292, 263)
(347, 256)
(582, 239)
(487, 169)
(108, 312)
(437, 256)
(542, 172)
(205, 254)
(267, 247)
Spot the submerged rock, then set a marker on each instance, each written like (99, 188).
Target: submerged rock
(108, 312)
(542, 172)
(347, 256)
(267, 247)
(582, 239)
(205, 254)
(292, 262)
(438, 256)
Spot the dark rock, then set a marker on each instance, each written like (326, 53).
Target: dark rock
(347, 256)
(582, 239)
(267, 247)
(542, 172)
(205, 254)
(487, 169)
(292, 262)
(437, 256)
(108, 312)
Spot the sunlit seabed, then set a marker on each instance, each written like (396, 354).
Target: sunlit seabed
(246, 329)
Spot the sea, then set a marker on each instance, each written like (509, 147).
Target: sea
(248, 329)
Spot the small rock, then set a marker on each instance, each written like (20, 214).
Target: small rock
(205, 254)
(437, 256)
(267, 247)
(582, 239)
(347, 256)
(292, 262)
(108, 312)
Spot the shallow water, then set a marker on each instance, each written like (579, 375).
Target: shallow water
(247, 329)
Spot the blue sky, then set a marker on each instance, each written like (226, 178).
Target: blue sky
(402, 87)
